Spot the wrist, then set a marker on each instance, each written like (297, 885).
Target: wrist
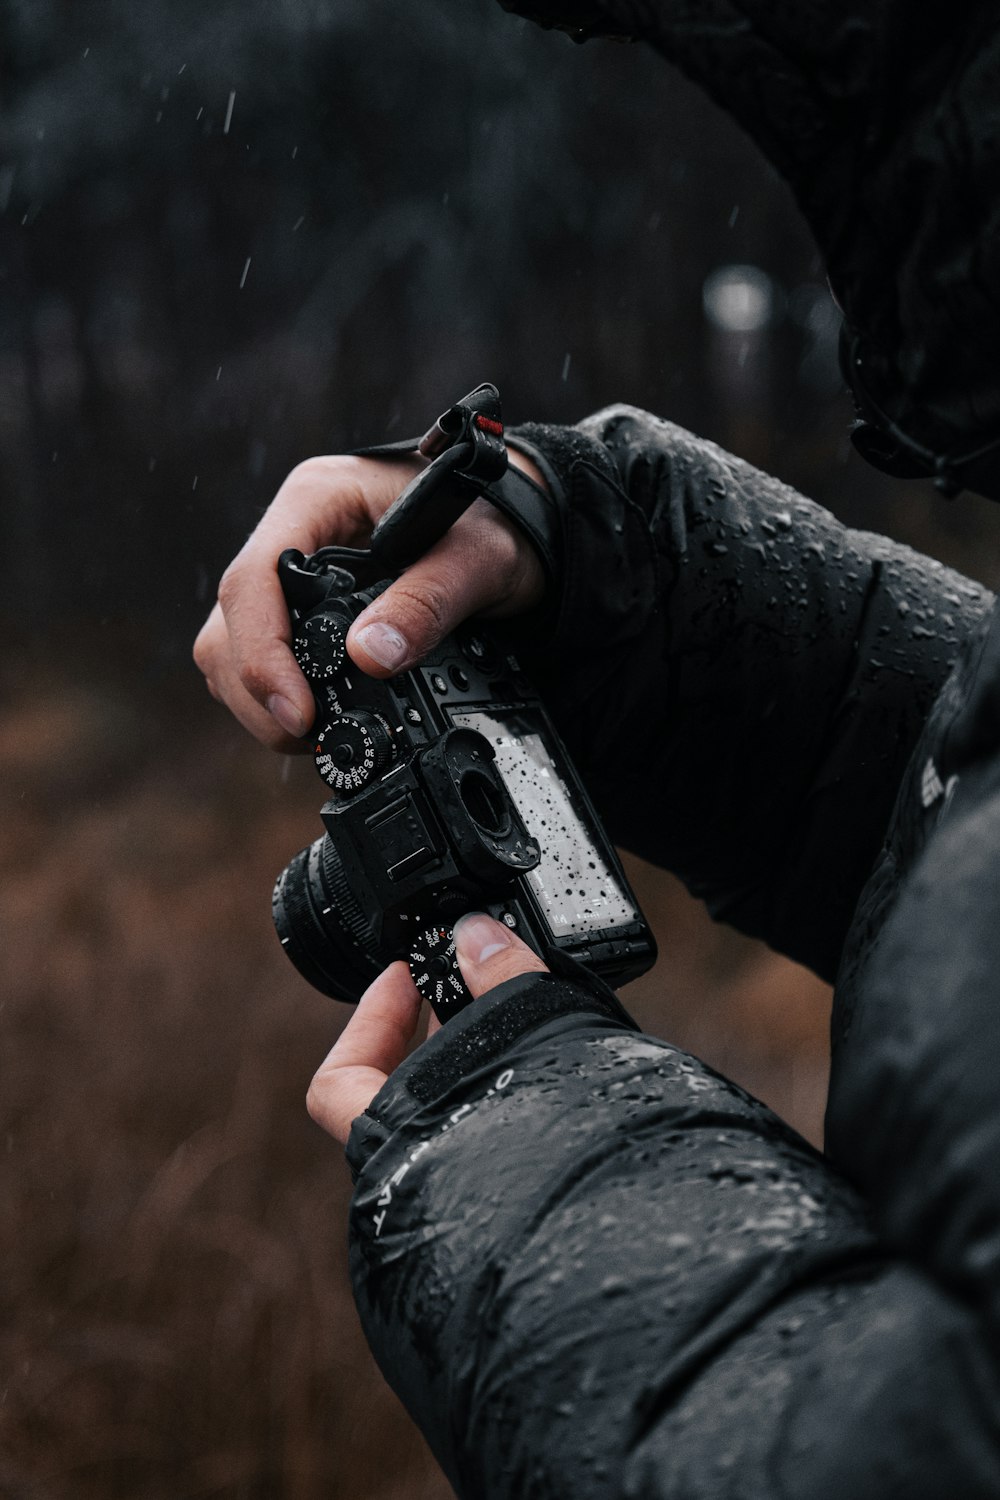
(528, 465)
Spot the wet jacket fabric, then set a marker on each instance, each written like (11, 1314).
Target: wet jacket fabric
(884, 117)
(590, 1266)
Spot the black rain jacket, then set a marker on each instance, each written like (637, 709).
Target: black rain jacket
(589, 1266)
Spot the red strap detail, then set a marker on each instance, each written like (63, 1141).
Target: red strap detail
(496, 428)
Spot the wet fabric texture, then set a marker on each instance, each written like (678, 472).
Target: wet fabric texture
(591, 1267)
(883, 117)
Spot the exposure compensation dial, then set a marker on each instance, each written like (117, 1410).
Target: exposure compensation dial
(320, 646)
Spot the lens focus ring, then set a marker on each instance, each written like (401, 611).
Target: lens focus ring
(321, 925)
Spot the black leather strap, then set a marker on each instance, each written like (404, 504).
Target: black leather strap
(388, 450)
(519, 498)
(526, 504)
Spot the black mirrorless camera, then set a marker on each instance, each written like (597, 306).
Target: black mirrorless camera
(449, 788)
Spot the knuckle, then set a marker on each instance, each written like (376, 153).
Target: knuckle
(316, 1099)
(335, 492)
(230, 585)
(330, 472)
(312, 471)
(322, 466)
(425, 607)
(202, 652)
(253, 680)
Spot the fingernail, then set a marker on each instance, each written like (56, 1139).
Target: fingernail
(286, 714)
(478, 937)
(383, 643)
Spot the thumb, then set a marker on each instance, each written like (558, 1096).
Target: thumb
(481, 563)
(403, 625)
(417, 611)
(488, 953)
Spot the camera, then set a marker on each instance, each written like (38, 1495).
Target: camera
(449, 790)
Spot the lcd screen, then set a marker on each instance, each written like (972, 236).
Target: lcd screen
(573, 885)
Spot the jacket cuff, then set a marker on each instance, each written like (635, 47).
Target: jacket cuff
(610, 580)
(474, 1042)
(610, 585)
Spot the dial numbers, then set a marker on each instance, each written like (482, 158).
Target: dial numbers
(434, 967)
(352, 750)
(321, 647)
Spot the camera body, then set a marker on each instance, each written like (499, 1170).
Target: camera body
(449, 791)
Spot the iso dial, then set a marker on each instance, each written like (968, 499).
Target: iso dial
(352, 750)
(320, 646)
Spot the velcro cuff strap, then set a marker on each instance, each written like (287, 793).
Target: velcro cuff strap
(484, 1033)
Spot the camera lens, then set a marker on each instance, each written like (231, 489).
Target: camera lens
(484, 804)
(321, 926)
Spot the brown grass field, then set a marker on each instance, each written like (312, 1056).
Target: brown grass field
(177, 1321)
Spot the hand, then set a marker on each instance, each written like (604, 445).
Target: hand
(376, 1038)
(483, 565)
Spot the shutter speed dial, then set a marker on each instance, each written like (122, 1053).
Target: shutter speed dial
(352, 750)
(320, 647)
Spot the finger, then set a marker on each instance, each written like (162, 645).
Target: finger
(213, 657)
(482, 563)
(372, 1044)
(488, 953)
(259, 636)
(324, 500)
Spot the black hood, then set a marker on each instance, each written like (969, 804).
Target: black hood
(884, 118)
(580, 21)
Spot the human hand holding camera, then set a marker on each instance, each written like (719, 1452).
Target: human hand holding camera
(482, 565)
(379, 1033)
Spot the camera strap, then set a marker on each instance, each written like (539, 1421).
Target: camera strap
(468, 458)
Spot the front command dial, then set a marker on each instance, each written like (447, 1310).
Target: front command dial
(320, 646)
(352, 750)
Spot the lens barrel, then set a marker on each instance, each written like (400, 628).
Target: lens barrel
(321, 925)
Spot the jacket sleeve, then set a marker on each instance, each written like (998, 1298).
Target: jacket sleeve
(590, 1267)
(740, 678)
(913, 1115)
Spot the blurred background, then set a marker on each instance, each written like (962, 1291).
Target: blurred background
(230, 237)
